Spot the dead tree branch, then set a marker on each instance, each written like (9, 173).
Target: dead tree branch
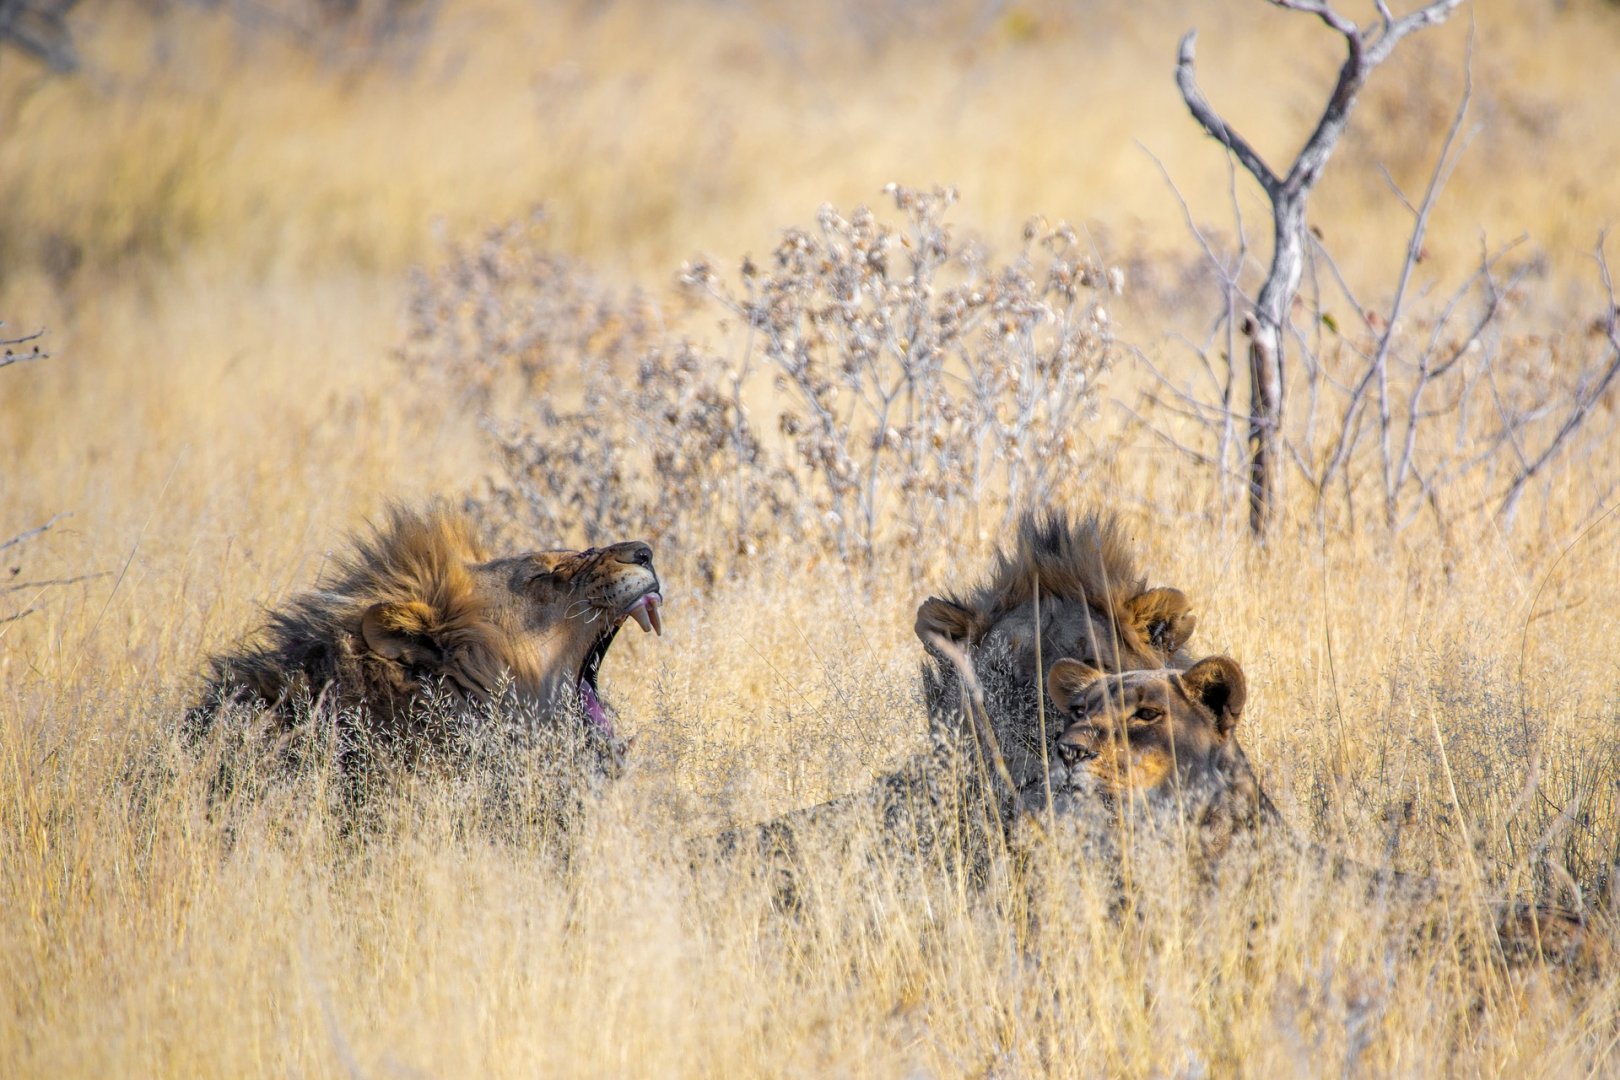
(1266, 327)
(1378, 369)
(23, 586)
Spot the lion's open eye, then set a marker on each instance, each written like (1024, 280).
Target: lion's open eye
(1147, 714)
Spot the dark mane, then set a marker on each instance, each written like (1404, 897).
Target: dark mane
(1086, 560)
(414, 558)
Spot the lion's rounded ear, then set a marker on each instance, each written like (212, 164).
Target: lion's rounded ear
(948, 619)
(1067, 679)
(1217, 682)
(401, 632)
(1163, 618)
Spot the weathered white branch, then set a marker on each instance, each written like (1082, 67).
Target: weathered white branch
(1288, 195)
(1211, 121)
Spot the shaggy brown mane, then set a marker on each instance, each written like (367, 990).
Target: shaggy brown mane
(417, 560)
(414, 556)
(1087, 560)
(420, 560)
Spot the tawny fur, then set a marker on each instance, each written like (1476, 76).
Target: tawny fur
(1093, 603)
(315, 643)
(1071, 584)
(1163, 744)
(416, 609)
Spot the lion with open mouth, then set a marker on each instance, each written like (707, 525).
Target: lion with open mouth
(419, 632)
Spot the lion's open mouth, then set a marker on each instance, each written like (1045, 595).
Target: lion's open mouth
(645, 610)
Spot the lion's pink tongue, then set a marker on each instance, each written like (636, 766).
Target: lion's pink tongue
(593, 708)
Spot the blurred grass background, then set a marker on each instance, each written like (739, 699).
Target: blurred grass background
(217, 220)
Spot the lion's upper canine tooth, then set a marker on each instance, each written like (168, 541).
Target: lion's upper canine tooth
(656, 619)
(639, 613)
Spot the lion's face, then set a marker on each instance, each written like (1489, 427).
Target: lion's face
(545, 619)
(1141, 734)
(1150, 629)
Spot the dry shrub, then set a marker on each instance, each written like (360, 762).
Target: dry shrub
(1445, 408)
(505, 318)
(603, 426)
(909, 377)
(919, 372)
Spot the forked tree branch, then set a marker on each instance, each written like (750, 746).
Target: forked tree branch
(1365, 50)
(1211, 122)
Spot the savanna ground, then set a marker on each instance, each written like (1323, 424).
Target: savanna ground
(220, 221)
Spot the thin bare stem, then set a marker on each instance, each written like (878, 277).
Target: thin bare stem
(23, 537)
(1584, 399)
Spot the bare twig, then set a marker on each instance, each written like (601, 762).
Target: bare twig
(1444, 166)
(1168, 439)
(25, 339)
(9, 357)
(22, 537)
(21, 585)
(1584, 399)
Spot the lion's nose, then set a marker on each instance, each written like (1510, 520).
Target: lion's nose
(636, 553)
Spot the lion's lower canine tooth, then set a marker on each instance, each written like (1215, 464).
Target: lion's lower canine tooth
(639, 613)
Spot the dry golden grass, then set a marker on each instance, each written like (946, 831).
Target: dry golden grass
(217, 231)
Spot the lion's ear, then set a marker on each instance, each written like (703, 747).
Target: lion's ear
(1067, 680)
(402, 632)
(1162, 617)
(950, 620)
(1217, 682)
